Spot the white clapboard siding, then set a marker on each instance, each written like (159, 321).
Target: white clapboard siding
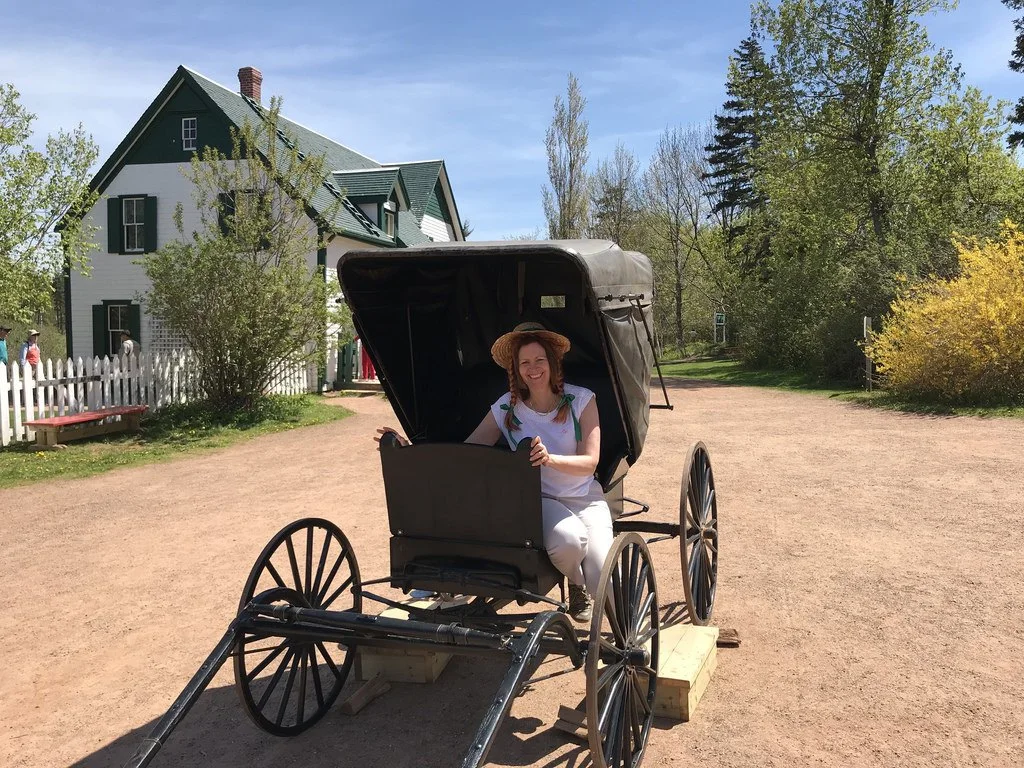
(72, 386)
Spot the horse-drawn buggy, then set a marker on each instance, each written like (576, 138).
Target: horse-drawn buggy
(466, 520)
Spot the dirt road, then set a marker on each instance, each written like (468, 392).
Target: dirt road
(871, 562)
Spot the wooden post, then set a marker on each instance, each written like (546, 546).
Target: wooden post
(5, 405)
(868, 364)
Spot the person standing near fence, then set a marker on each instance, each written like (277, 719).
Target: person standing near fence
(127, 345)
(30, 349)
(3, 344)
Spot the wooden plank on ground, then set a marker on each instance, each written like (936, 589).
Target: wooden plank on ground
(685, 670)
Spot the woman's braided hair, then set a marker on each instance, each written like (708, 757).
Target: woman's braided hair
(517, 388)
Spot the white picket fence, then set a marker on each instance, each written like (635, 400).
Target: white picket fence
(68, 387)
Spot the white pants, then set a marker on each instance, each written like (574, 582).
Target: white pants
(577, 536)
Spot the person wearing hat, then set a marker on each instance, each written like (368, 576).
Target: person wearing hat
(563, 421)
(127, 345)
(4, 330)
(30, 349)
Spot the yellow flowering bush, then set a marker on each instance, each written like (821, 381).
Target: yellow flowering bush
(961, 340)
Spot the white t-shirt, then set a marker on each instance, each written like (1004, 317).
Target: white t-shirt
(559, 439)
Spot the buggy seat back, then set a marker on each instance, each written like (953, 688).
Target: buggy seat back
(465, 519)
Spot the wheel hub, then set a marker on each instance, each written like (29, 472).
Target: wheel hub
(638, 657)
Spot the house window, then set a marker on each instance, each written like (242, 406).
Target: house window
(117, 320)
(133, 218)
(389, 223)
(189, 133)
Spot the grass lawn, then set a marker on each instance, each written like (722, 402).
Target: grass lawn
(733, 372)
(168, 433)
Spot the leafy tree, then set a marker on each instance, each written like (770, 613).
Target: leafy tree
(240, 289)
(615, 198)
(853, 87)
(467, 229)
(565, 202)
(1017, 65)
(40, 191)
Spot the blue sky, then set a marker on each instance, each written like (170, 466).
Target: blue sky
(473, 83)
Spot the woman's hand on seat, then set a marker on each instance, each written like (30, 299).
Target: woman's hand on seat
(381, 431)
(539, 455)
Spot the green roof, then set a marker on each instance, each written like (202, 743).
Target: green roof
(377, 183)
(420, 179)
(409, 232)
(362, 176)
(348, 220)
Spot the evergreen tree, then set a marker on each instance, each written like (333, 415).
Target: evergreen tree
(1016, 138)
(736, 136)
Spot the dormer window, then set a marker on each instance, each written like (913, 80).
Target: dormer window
(389, 223)
(189, 133)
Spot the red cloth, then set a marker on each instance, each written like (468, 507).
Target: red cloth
(369, 372)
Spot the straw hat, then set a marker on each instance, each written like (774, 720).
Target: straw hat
(33, 332)
(501, 350)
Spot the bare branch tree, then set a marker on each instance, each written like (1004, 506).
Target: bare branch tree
(676, 192)
(565, 202)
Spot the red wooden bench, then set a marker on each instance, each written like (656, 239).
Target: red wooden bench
(86, 424)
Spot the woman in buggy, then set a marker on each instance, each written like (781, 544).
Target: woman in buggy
(563, 421)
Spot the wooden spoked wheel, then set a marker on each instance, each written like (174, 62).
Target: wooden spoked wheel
(698, 518)
(287, 685)
(622, 656)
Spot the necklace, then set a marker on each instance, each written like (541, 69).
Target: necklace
(549, 410)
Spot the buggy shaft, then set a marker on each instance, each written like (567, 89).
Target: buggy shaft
(442, 634)
(147, 750)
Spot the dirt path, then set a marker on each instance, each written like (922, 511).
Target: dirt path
(871, 562)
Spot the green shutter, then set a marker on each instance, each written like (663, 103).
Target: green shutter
(99, 330)
(150, 224)
(135, 323)
(114, 231)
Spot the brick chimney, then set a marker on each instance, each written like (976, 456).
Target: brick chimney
(250, 82)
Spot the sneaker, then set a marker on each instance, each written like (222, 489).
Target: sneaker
(581, 607)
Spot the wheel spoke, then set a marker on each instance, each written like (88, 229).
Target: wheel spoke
(709, 505)
(610, 699)
(636, 724)
(266, 662)
(641, 694)
(330, 577)
(618, 631)
(309, 560)
(314, 667)
(647, 636)
(612, 671)
(605, 645)
(614, 726)
(287, 689)
(294, 564)
(315, 589)
(692, 504)
(328, 659)
(275, 679)
(627, 717)
(277, 577)
(337, 592)
(303, 665)
(643, 614)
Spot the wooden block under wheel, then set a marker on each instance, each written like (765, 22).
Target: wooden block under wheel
(688, 658)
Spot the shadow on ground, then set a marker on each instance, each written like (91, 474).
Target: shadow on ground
(411, 725)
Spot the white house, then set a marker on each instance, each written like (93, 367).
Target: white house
(385, 205)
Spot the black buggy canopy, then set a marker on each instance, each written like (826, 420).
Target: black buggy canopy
(427, 317)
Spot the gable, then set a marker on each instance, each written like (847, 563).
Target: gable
(437, 206)
(161, 142)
